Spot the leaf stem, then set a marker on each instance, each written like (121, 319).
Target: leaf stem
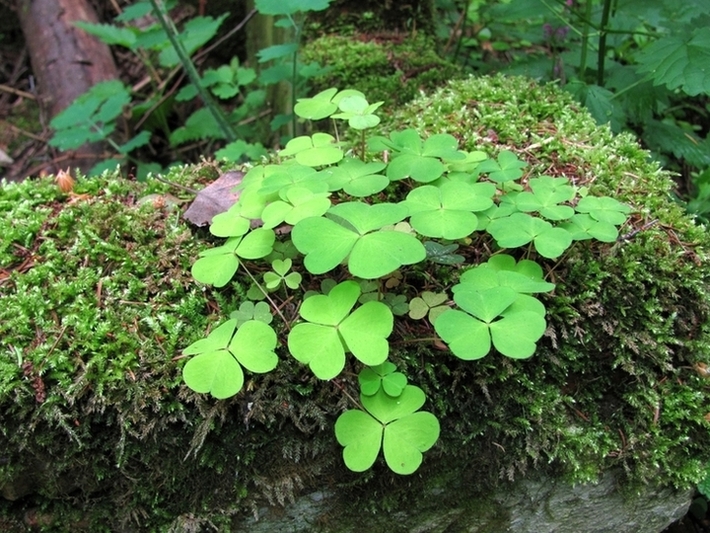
(346, 393)
(585, 41)
(266, 295)
(172, 33)
(602, 43)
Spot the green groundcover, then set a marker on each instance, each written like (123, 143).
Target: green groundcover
(98, 431)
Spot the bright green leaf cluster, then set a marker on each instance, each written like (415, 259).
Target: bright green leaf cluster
(412, 157)
(217, 365)
(393, 424)
(318, 211)
(495, 307)
(217, 266)
(354, 232)
(428, 304)
(384, 376)
(330, 329)
(281, 274)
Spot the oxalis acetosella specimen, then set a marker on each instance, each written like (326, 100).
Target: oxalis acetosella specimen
(326, 209)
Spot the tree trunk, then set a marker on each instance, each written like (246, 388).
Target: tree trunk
(66, 60)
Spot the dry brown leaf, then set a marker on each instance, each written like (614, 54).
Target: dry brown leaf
(64, 180)
(214, 199)
(702, 369)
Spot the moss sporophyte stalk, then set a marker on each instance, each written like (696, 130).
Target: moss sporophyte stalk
(314, 229)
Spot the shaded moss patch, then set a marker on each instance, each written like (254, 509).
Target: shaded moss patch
(392, 69)
(98, 304)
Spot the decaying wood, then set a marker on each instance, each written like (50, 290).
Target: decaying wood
(66, 60)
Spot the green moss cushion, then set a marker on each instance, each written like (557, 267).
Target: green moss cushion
(615, 383)
(393, 69)
(96, 426)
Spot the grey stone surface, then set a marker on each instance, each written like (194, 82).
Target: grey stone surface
(540, 505)
(554, 507)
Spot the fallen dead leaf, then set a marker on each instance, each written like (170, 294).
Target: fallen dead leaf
(214, 199)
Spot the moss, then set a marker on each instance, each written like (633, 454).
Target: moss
(98, 302)
(394, 70)
(346, 17)
(614, 383)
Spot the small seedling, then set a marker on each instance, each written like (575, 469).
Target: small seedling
(281, 274)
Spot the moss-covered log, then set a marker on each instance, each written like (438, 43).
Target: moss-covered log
(393, 68)
(97, 430)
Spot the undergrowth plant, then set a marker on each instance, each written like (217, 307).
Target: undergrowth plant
(399, 228)
(232, 95)
(634, 64)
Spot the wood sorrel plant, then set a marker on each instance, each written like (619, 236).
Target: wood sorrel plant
(364, 219)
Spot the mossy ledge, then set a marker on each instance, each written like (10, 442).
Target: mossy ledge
(98, 302)
(393, 68)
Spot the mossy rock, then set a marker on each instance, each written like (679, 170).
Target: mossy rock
(345, 17)
(98, 303)
(393, 68)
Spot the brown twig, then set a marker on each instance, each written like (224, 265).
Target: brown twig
(17, 92)
(24, 132)
(59, 337)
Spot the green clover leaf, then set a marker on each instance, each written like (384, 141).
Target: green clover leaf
(506, 168)
(281, 274)
(503, 209)
(547, 193)
(494, 313)
(383, 376)
(513, 335)
(560, 188)
(354, 233)
(429, 303)
(323, 104)
(415, 158)
(313, 151)
(393, 424)
(275, 180)
(230, 223)
(466, 165)
(317, 107)
(251, 311)
(358, 112)
(397, 303)
(356, 177)
(467, 337)
(297, 203)
(447, 211)
(583, 227)
(361, 436)
(331, 330)
(501, 270)
(604, 209)
(419, 168)
(217, 365)
(519, 229)
(216, 266)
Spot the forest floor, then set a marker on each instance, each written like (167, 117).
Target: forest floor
(24, 130)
